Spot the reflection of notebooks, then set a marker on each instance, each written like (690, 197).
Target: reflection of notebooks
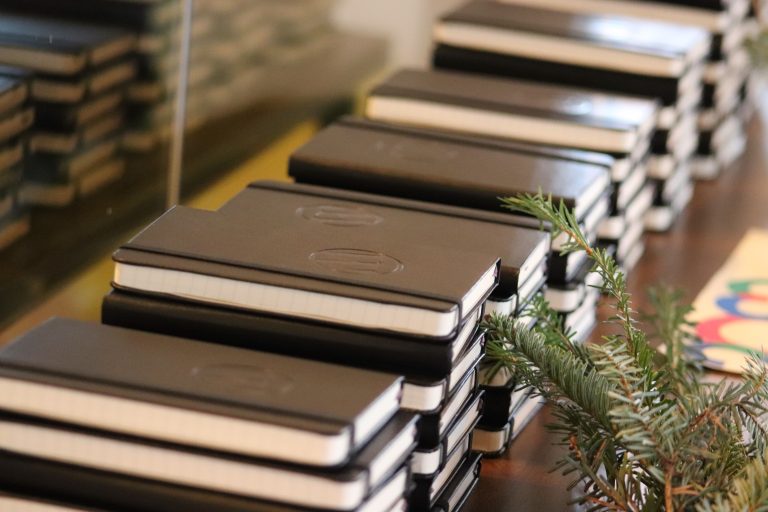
(65, 142)
(62, 116)
(516, 109)
(441, 170)
(732, 309)
(281, 264)
(59, 47)
(13, 91)
(60, 168)
(625, 55)
(109, 491)
(14, 123)
(343, 488)
(521, 249)
(77, 88)
(199, 394)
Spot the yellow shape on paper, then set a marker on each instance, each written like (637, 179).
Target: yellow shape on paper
(754, 307)
(752, 334)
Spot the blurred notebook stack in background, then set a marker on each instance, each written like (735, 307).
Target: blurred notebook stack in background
(16, 117)
(726, 98)
(623, 55)
(78, 74)
(235, 45)
(195, 426)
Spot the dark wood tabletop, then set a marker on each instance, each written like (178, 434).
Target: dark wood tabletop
(685, 257)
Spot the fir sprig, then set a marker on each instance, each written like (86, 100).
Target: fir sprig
(642, 430)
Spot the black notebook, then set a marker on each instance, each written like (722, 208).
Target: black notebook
(200, 394)
(431, 370)
(690, 14)
(520, 249)
(428, 489)
(344, 489)
(460, 487)
(13, 92)
(281, 264)
(625, 55)
(21, 503)
(618, 166)
(98, 491)
(420, 166)
(516, 109)
(314, 340)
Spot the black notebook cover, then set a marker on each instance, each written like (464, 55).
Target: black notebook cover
(330, 210)
(287, 252)
(427, 168)
(99, 490)
(180, 374)
(57, 46)
(622, 121)
(603, 159)
(504, 65)
(312, 340)
(381, 457)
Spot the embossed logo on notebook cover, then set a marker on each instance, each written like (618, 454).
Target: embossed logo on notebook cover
(245, 379)
(338, 215)
(356, 261)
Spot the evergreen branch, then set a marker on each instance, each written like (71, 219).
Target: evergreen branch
(642, 433)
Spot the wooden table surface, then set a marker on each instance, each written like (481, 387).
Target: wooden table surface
(685, 257)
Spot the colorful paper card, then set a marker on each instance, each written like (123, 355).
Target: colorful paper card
(731, 311)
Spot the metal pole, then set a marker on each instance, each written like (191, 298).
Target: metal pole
(173, 189)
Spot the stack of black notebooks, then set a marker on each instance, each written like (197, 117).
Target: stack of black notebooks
(470, 174)
(107, 418)
(155, 24)
(342, 277)
(234, 46)
(531, 112)
(623, 55)
(726, 75)
(16, 117)
(78, 74)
